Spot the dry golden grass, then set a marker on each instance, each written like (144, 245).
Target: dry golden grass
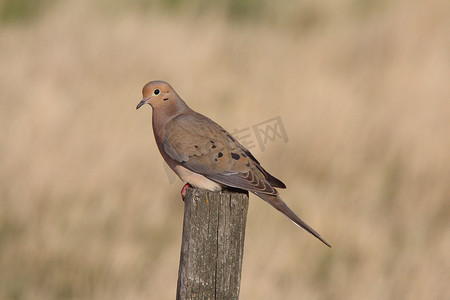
(87, 212)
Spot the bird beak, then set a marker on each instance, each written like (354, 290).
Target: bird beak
(143, 101)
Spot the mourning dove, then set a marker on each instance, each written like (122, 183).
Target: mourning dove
(205, 155)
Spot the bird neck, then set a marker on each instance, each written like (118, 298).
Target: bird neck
(164, 113)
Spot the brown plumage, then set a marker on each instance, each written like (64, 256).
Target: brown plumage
(205, 155)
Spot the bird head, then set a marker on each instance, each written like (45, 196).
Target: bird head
(157, 93)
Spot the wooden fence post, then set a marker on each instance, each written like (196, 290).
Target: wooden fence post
(212, 246)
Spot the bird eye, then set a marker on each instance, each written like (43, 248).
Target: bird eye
(156, 92)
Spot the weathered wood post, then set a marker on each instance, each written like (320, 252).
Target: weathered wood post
(212, 246)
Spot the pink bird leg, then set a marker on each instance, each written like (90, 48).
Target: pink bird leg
(183, 190)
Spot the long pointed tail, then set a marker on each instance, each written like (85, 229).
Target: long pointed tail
(279, 204)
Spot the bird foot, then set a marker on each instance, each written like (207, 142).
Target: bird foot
(183, 190)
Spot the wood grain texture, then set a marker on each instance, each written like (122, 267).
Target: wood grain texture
(212, 244)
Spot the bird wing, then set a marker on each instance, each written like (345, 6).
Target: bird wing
(202, 146)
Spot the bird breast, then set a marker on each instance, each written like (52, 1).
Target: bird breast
(195, 179)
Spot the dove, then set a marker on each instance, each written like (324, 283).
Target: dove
(206, 156)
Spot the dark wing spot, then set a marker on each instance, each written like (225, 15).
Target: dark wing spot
(243, 154)
(196, 146)
(212, 141)
(213, 146)
(247, 164)
(220, 154)
(165, 99)
(235, 156)
(215, 159)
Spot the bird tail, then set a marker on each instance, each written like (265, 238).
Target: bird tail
(279, 204)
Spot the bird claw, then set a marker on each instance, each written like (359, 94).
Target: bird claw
(183, 190)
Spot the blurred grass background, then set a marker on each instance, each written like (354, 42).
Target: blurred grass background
(87, 211)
